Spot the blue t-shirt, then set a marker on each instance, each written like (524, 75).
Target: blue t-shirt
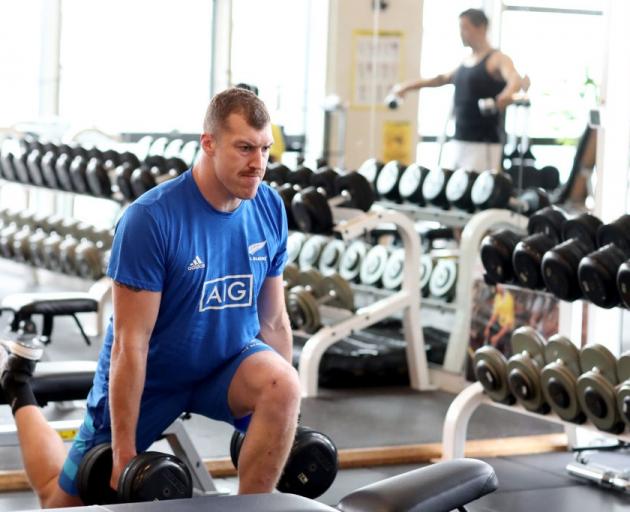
(209, 266)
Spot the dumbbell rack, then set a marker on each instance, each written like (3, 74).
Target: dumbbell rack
(475, 228)
(351, 224)
(465, 404)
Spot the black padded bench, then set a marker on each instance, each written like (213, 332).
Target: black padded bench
(61, 381)
(49, 305)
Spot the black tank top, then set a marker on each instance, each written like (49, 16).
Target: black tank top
(471, 84)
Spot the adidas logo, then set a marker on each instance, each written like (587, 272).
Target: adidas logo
(196, 263)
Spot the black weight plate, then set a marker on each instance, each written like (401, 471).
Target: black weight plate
(411, 182)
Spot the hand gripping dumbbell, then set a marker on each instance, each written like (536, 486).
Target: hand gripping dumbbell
(388, 181)
(352, 259)
(524, 367)
(311, 467)
(295, 241)
(443, 282)
(331, 256)
(370, 170)
(304, 300)
(597, 387)
(149, 476)
(598, 271)
(373, 265)
(490, 367)
(434, 187)
(311, 251)
(496, 255)
(411, 183)
(545, 231)
(495, 190)
(623, 390)
(559, 379)
(559, 265)
(459, 189)
(312, 209)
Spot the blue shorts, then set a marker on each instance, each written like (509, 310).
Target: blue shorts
(157, 411)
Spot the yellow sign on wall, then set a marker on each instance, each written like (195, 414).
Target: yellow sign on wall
(397, 141)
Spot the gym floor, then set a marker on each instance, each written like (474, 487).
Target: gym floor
(357, 418)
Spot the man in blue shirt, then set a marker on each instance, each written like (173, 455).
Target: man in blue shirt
(199, 322)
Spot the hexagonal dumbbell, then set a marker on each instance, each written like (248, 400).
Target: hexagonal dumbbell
(559, 379)
(597, 388)
(101, 171)
(524, 367)
(304, 300)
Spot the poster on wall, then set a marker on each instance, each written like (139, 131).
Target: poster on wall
(498, 310)
(376, 65)
(397, 141)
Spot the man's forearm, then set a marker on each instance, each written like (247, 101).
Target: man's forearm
(420, 83)
(279, 337)
(126, 383)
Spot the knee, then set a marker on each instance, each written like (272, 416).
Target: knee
(282, 387)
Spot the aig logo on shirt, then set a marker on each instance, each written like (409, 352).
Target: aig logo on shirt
(227, 292)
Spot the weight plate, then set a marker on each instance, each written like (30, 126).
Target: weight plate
(598, 400)
(388, 178)
(529, 340)
(370, 169)
(524, 382)
(623, 367)
(294, 245)
(290, 275)
(350, 264)
(312, 280)
(561, 348)
(559, 386)
(426, 267)
(623, 402)
(393, 273)
(331, 257)
(444, 279)
(311, 251)
(490, 368)
(343, 296)
(373, 265)
(303, 310)
(411, 182)
(598, 356)
(459, 187)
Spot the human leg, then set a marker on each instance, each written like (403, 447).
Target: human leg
(261, 383)
(41, 447)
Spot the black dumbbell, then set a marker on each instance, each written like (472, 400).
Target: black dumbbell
(443, 282)
(370, 169)
(373, 265)
(276, 173)
(389, 179)
(34, 164)
(459, 189)
(426, 269)
(394, 269)
(312, 209)
(352, 260)
(48, 164)
(596, 388)
(545, 231)
(300, 176)
(155, 170)
(434, 187)
(559, 379)
(326, 179)
(149, 476)
(7, 155)
(21, 248)
(88, 257)
(101, 172)
(495, 190)
(310, 252)
(411, 183)
(331, 257)
(7, 234)
(295, 241)
(50, 250)
(36, 247)
(560, 264)
(311, 467)
(496, 255)
(524, 367)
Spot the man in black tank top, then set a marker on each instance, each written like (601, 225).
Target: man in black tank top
(486, 73)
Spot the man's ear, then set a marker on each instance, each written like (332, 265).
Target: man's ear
(208, 143)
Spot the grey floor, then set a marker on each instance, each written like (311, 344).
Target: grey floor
(357, 418)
